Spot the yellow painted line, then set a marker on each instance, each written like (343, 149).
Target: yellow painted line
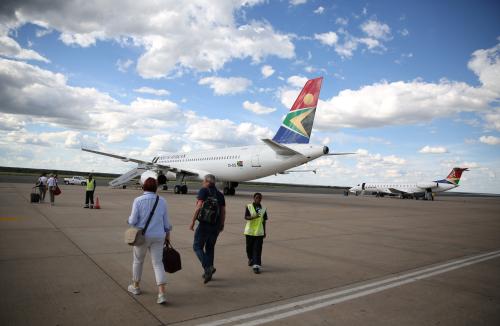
(9, 218)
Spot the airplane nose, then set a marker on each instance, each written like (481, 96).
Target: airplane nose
(326, 150)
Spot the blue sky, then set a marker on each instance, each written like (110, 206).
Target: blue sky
(413, 87)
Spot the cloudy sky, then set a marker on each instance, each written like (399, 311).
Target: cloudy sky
(413, 87)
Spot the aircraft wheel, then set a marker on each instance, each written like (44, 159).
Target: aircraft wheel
(184, 189)
(232, 191)
(124, 187)
(165, 187)
(177, 189)
(226, 191)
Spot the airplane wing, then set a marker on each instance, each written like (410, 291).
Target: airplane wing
(397, 191)
(146, 164)
(298, 171)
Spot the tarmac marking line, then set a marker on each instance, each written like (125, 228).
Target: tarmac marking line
(318, 302)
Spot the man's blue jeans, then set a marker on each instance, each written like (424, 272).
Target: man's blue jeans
(205, 238)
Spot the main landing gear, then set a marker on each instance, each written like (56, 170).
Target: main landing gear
(230, 188)
(180, 187)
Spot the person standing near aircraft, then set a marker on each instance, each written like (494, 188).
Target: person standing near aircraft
(89, 193)
(211, 215)
(52, 183)
(42, 185)
(255, 231)
(157, 234)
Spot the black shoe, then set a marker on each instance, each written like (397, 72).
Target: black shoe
(213, 272)
(207, 277)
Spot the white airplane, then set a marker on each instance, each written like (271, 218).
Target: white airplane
(288, 149)
(411, 190)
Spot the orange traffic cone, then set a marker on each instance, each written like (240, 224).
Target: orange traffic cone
(97, 206)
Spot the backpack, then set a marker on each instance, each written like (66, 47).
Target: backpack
(210, 210)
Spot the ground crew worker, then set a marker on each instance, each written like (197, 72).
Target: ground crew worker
(89, 194)
(255, 231)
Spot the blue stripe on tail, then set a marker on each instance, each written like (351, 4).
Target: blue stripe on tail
(286, 136)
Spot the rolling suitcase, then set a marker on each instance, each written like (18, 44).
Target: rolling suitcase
(35, 197)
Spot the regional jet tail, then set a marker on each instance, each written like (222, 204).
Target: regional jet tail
(411, 190)
(288, 149)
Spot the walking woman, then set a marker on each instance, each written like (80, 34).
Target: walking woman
(255, 231)
(157, 233)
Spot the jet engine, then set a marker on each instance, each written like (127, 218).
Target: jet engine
(160, 177)
(427, 185)
(148, 174)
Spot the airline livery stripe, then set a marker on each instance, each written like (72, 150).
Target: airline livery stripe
(321, 301)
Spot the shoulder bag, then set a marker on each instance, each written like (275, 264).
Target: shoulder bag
(134, 236)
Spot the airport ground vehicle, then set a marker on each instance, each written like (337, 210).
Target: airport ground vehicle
(75, 180)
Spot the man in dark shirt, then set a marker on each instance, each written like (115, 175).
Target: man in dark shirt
(206, 233)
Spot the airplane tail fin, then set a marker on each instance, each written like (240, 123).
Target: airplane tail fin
(298, 123)
(455, 175)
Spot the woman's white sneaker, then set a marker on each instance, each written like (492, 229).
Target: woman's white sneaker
(132, 289)
(162, 298)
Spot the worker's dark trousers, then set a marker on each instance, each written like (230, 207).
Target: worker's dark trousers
(254, 249)
(89, 195)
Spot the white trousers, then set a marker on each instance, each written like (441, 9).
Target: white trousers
(155, 246)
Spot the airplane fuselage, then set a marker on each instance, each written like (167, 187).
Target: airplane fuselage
(409, 188)
(244, 163)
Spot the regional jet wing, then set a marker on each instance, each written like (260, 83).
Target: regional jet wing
(396, 191)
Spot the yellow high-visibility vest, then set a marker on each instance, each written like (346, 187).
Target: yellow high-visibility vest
(90, 184)
(255, 227)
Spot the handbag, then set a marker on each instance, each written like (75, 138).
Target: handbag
(134, 236)
(171, 258)
(57, 191)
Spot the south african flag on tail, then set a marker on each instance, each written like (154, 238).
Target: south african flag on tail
(298, 123)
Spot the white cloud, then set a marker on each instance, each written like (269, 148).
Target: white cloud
(411, 102)
(490, 140)
(399, 103)
(376, 29)
(123, 65)
(342, 21)
(328, 38)
(297, 81)
(485, 63)
(319, 10)
(492, 119)
(225, 86)
(404, 32)
(267, 71)
(11, 49)
(433, 150)
(153, 91)
(257, 108)
(297, 2)
(226, 133)
(174, 35)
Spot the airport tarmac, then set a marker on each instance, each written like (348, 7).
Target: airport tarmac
(327, 260)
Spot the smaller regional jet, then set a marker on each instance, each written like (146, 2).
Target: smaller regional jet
(411, 190)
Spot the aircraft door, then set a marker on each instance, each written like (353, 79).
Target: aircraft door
(255, 160)
(363, 186)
